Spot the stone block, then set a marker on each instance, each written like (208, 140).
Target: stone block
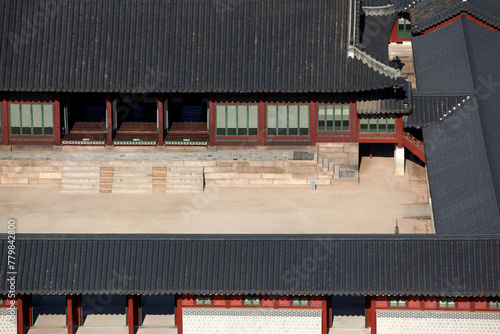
(22, 175)
(353, 159)
(44, 181)
(5, 148)
(233, 182)
(290, 181)
(300, 163)
(276, 176)
(50, 175)
(232, 163)
(261, 182)
(264, 163)
(15, 181)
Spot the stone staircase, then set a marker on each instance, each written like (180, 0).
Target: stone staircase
(339, 160)
(265, 173)
(131, 178)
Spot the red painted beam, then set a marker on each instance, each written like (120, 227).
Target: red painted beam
(130, 314)
(457, 17)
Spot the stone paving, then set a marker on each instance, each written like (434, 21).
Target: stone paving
(372, 206)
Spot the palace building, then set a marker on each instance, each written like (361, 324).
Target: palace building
(288, 84)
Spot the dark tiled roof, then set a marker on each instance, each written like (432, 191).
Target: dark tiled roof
(463, 152)
(460, 177)
(399, 5)
(356, 265)
(431, 13)
(429, 109)
(387, 101)
(180, 46)
(375, 32)
(435, 70)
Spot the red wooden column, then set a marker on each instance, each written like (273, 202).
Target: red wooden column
(262, 120)
(109, 121)
(371, 314)
(161, 121)
(5, 119)
(73, 305)
(178, 314)
(313, 119)
(399, 130)
(354, 119)
(211, 120)
(57, 119)
(23, 314)
(131, 314)
(324, 316)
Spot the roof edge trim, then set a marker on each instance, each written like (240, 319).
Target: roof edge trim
(354, 52)
(379, 10)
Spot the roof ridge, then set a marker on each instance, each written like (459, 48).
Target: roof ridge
(354, 52)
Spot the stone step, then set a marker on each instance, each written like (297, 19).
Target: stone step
(183, 180)
(131, 180)
(131, 173)
(45, 330)
(132, 186)
(84, 191)
(75, 168)
(185, 168)
(183, 187)
(156, 330)
(131, 191)
(80, 185)
(143, 168)
(80, 174)
(69, 180)
(184, 173)
(334, 330)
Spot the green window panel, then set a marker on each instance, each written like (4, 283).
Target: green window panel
(447, 302)
(300, 301)
(251, 300)
(377, 124)
(288, 120)
(333, 117)
(494, 303)
(203, 300)
(31, 119)
(397, 302)
(404, 28)
(237, 120)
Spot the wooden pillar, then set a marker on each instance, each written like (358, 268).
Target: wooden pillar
(73, 306)
(130, 314)
(109, 121)
(23, 314)
(211, 120)
(161, 121)
(354, 119)
(178, 314)
(399, 130)
(313, 119)
(324, 316)
(57, 119)
(4, 108)
(137, 310)
(371, 315)
(262, 120)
